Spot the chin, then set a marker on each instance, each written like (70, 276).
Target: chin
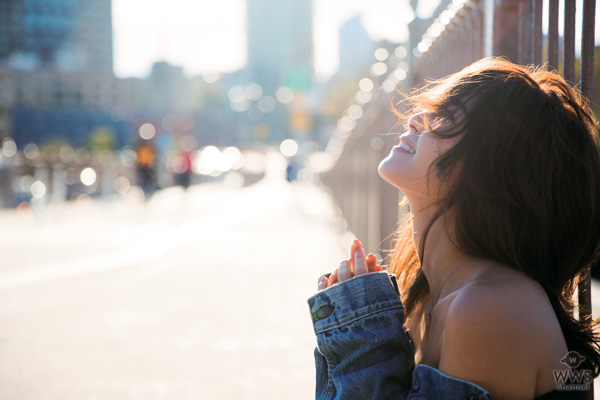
(388, 171)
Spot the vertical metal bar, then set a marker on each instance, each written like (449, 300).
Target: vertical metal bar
(527, 32)
(480, 30)
(538, 39)
(488, 28)
(584, 289)
(587, 86)
(569, 42)
(553, 35)
(520, 25)
(587, 48)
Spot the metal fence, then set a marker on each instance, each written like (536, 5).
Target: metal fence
(461, 32)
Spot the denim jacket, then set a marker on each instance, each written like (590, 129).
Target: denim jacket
(363, 351)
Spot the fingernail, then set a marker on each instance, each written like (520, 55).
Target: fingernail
(359, 252)
(323, 279)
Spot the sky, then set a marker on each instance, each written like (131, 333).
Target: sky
(207, 36)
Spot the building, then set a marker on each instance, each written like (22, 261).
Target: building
(56, 72)
(356, 49)
(168, 89)
(280, 44)
(63, 35)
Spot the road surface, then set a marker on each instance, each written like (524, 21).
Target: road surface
(198, 295)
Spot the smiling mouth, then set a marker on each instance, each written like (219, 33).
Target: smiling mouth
(407, 148)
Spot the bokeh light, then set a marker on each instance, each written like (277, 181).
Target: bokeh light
(147, 131)
(355, 111)
(9, 147)
(388, 86)
(379, 68)
(400, 52)
(363, 97)
(88, 176)
(234, 157)
(400, 74)
(38, 190)
(285, 95)
(346, 124)
(241, 106)
(31, 151)
(187, 143)
(122, 185)
(24, 208)
(169, 122)
(82, 156)
(288, 147)
(254, 91)
(186, 122)
(381, 54)
(365, 84)
(66, 153)
(128, 158)
(377, 143)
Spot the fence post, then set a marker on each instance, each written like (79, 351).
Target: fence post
(587, 86)
(507, 29)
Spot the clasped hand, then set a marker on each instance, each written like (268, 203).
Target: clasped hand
(357, 264)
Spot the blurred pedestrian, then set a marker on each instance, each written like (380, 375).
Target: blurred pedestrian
(291, 171)
(146, 166)
(184, 168)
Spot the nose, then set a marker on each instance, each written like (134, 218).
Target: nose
(416, 122)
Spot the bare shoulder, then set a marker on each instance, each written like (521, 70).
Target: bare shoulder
(501, 329)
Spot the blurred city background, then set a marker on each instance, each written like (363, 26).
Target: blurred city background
(175, 175)
(104, 98)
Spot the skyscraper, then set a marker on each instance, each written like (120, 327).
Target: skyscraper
(280, 43)
(356, 49)
(65, 35)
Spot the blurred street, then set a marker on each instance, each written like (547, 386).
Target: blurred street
(197, 295)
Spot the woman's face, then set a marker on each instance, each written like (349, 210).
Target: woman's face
(408, 164)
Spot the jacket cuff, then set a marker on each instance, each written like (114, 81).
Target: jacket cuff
(431, 383)
(353, 299)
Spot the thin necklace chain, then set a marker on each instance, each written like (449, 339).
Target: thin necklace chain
(432, 305)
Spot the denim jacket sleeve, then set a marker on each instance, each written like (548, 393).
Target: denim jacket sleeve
(363, 351)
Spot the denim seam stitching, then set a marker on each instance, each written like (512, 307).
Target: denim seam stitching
(341, 324)
(435, 370)
(330, 367)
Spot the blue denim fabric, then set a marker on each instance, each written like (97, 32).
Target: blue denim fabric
(363, 351)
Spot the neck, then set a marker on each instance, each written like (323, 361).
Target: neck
(441, 255)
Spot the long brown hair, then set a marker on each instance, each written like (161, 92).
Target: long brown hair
(525, 184)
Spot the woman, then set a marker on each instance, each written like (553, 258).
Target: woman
(501, 169)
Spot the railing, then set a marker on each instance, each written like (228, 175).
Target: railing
(463, 32)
